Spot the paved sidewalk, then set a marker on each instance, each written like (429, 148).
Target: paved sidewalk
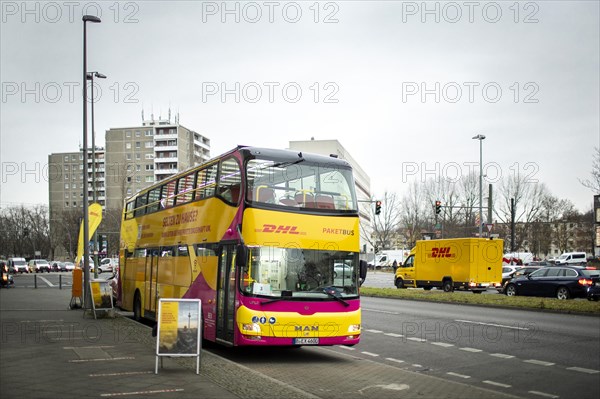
(49, 351)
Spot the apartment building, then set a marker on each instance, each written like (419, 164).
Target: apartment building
(139, 156)
(65, 177)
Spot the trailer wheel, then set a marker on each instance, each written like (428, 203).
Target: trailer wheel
(448, 286)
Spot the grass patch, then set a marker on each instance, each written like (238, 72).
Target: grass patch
(494, 300)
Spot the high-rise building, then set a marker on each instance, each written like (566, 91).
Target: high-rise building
(138, 156)
(133, 158)
(65, 177)
(361, 180)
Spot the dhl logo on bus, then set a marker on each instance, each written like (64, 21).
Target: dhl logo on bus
(443, 252)
(279, 229)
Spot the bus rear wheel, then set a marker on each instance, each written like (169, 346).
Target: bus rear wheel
(137, 307)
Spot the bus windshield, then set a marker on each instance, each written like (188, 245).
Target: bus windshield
(299, 183)
(300, 273)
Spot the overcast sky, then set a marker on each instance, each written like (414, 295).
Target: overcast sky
(404, 86)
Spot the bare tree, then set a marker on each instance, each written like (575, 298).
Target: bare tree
(384, 226)
(593, 183)
(414, 214)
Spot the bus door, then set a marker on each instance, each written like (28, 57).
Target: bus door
(150, 299)
(226, 291)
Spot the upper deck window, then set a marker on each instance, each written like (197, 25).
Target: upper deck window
(298, 183)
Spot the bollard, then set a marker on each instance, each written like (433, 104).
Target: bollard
(35, 281)
(60, 281)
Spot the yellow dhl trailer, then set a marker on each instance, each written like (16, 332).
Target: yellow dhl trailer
(457, 263)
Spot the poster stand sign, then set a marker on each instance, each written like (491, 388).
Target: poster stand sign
(101, 292)
(179, 327)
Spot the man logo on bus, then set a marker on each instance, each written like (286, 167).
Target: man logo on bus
(441, 253)
(281, 229)
(306, 328)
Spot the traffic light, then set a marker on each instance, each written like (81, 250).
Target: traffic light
(377, 207)
(438, 207)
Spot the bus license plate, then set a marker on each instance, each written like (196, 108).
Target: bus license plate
(306, 341)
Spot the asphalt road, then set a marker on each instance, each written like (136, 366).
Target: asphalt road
(433, 348)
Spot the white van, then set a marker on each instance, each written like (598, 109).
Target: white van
(572, 258)
(17, 265)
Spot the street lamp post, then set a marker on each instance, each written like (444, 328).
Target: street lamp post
(86, 232)
(480, 137)
(90, 77)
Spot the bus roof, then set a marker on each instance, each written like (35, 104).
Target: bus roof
(269, 152)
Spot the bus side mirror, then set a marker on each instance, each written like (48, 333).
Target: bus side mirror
(363, 269)
(241, 255)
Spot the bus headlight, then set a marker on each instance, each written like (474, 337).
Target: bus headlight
(354, 328)
(251, 327)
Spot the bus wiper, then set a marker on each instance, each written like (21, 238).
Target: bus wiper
(284, 295)
(332, 292)
(286, 164)
(273, 300)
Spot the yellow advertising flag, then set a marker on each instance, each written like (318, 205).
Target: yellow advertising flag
(94, 219)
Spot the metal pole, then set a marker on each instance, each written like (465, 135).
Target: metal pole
(86, 232)
(94, 180)
(480, 186)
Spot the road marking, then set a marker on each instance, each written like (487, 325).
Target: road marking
(142, 392)
(374, 331)
(370, 354)
(75, 338)
(539, 362)
(124, 373)
(89, 347)
(347, 348)
(380, 311)
(101, 360)
(473, 350)
(584, 370)
(493, 325)
(394, 335)
(47, 282)
(394, 360)
(416, 339)
(458, 375)
(502, 355)
(498, 384)
(443, 344)
(546, 395)
(417, 366)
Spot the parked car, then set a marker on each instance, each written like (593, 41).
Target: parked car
(69, 266)
(557, 281)
(108, 265)
(539, 263)
(593, 292)
(521, 271)
(17, 265)
(342, 270)
(508, 271)
(39, 266)
(57, 266)
(572, 258)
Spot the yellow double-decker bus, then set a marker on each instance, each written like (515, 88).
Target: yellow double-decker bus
(267, 239)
